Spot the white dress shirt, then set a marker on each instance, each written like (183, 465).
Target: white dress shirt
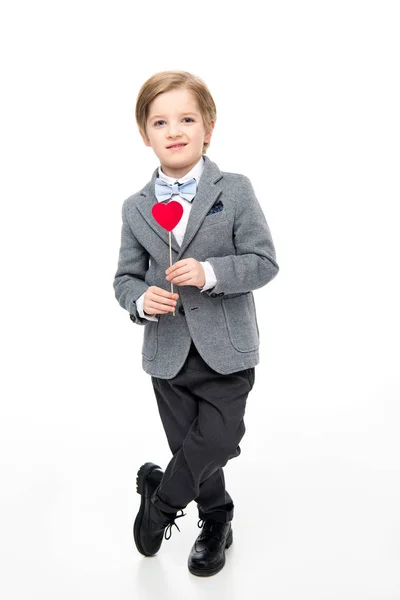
(179, 230)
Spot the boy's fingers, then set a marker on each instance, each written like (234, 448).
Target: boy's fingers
(165, 298)
(161, 292)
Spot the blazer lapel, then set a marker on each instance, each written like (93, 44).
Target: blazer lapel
(207, 193)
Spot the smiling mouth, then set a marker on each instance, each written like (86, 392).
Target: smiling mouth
(176, 146)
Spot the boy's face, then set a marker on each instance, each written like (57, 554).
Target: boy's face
(168, 124)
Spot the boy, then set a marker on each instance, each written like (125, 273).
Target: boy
(202, 358)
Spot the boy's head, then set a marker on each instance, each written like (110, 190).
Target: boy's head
(174, 107)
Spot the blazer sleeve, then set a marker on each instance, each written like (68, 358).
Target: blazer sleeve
(133, 262)
(254, 263)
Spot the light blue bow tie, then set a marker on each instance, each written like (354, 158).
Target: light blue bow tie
(164, 190)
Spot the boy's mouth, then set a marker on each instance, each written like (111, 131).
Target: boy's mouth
(176, 146)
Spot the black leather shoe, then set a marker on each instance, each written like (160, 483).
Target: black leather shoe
(150, 522)
(207, 555)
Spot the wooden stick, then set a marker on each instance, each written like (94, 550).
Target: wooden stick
(170, 264)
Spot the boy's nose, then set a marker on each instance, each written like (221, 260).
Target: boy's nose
(173, 132)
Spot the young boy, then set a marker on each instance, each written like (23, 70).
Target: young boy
(200, 344)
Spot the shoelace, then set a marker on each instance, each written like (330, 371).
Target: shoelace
(169, 526)
(207, 525)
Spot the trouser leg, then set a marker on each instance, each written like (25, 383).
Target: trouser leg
(213, 500)
(178, 408)
(202, 414)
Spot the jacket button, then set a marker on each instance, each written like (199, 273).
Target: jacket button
(181, 310)
(213, 295)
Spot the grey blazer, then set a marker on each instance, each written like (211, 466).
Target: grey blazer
(228, 228)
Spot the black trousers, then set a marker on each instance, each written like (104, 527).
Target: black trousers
(202, 414)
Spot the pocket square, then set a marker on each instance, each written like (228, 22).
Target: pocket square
(217, 207)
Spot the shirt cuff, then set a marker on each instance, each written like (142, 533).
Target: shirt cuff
(139, 306)
(211, 279)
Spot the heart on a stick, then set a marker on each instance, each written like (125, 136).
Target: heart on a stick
(167, 215)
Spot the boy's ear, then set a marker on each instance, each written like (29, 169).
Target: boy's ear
(208, 135)
(145, 138)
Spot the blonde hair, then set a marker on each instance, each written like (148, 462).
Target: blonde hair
(164, 81)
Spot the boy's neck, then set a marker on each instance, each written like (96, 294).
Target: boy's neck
(178, 172)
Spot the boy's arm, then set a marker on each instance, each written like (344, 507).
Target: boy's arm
(133, 263)
(254, 263)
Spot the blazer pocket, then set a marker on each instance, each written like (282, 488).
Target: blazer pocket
(241, 322)
(216, 207)
(214, 218)
(150, 339)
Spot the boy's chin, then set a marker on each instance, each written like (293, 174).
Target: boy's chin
(184, 157)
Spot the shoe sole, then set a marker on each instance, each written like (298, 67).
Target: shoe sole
(141, 489)
(217, 568)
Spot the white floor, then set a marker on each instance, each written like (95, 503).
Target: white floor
(308, 524)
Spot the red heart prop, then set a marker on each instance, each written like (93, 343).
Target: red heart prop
(168, 215)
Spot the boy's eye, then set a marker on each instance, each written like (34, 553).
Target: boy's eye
(161, 121)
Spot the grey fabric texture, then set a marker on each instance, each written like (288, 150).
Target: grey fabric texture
(236, 241)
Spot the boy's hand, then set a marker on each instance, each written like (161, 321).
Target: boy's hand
(158, 301)
(187, 271)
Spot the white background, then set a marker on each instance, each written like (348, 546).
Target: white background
(308, 98)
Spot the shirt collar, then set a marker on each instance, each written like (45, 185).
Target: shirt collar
(195, 172)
